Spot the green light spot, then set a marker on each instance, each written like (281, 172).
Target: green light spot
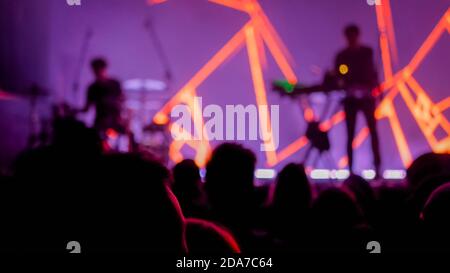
(285, 85)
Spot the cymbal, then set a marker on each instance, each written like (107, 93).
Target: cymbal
(144, 86)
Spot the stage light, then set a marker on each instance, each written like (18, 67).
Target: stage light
(259, 173)
(368, 174)
(111, 133)
(373, 2)
(342, 174)
(329, 174)
(265, 173)
(144, 85)
(161, 119)
(285, 85)
(155, 2)
(202, 173)
(7, 96)
(343, 69)
(320, 174)
(394, 174)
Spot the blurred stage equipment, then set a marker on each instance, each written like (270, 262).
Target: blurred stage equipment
(155, 140)
(38, 127)
(38, 131)
(318, 139)
(148, 24)
(143, 98)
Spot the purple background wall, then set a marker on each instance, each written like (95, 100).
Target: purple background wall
(41, 41)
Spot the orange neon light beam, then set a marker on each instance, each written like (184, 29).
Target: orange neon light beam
(259, 32)
(399, 136)
(384, 43)
(279, 56)
(236, 42)
(360, 137)
(443, 104)
(290, 150)
(230, 4)
(431, 113)
(389, 24)
(429, 42)
(260, 91)
(270, 29)
(386, 108)
(254, 34)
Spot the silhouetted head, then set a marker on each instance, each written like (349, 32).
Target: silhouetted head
(436, 219)
(290, 204)
(292, 190)
(229, 179)
(99, 67)
(436, 213)
(131, 208)
(425, 187)
(362, 191)
(186, 178)
(336, 209)
(121, 203)
(73, 151)
(204, 237)
(188, 188)
(352, 34)
(71, 135)
(426, 165)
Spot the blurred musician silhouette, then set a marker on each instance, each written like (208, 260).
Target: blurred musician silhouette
(105, 94)
(358, 77)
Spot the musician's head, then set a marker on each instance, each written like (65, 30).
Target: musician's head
(351, 33)
(99, 67)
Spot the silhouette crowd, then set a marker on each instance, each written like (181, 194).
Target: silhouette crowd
(71, 190)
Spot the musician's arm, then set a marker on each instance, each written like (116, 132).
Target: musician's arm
(89, 102)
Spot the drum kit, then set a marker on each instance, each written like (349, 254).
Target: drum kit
(32, 95)
(142, 99)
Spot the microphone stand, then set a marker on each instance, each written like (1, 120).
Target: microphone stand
(148, 24)
(83, 53)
